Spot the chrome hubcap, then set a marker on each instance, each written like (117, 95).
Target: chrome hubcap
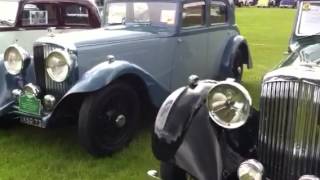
(121, 121)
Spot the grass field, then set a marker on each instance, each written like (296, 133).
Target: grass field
(31, 153)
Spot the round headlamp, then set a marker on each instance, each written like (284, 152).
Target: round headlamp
(229, 104)
(58, 65)
(14, 57)
(250, 169)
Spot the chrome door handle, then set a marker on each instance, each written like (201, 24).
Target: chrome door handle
(179, 40)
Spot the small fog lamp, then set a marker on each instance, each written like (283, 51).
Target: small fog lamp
(49, 101)
(16, 93)
(250, 170)
(31, 90)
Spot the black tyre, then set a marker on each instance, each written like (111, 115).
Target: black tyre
(108, 119)
(170, 171)
(237, 68)
(8, 121)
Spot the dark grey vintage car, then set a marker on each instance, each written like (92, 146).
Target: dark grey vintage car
(107, 79)
(207, 130)
(289, 141)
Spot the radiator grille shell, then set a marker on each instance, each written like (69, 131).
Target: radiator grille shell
(289, 128)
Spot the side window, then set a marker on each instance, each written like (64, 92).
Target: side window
(39, 14)
(218, 12)
(193, 14)
(75, 14)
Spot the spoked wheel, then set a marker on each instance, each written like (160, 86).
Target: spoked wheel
(237, 68)
(170, 171)
(108, 119)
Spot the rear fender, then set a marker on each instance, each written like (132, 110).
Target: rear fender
(237, 42)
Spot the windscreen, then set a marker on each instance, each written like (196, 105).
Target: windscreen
(311, 53)
(309, 18)
(161, 14)
(8, 12)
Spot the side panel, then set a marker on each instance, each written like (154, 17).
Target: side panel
(218, 39)
(190, 57)
(154, 55)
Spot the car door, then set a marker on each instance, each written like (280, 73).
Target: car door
(191, 51)
(219, 34)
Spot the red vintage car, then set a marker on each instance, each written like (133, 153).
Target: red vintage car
(23, 21)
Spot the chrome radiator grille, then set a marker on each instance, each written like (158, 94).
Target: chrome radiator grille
(289, 129)
(47, 85)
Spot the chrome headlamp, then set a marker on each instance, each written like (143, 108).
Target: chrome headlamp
(250, 170)
(58, 65)
(229, 104)
(14, 59)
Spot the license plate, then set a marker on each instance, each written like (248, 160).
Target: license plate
(29, 104)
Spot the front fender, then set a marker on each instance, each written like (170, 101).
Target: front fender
(201, 153)
(106, 72)
(237, 42)
(9, 82)
(184, 135)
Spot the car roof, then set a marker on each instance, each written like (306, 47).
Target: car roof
(310, 0)
(85, 2)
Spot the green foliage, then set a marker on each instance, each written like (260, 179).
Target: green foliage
(32, 153)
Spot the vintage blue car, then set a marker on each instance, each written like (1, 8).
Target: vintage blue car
(107, 79)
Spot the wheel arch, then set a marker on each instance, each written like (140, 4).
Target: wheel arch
(236, 43)
(148, 89)
(244, 48)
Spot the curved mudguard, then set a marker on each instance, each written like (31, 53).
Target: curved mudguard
(200, 152)
(106, 72)
(9, 82)
(237, 42)
(183, 135)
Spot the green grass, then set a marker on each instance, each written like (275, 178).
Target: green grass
(267, 32)
(32, 153)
